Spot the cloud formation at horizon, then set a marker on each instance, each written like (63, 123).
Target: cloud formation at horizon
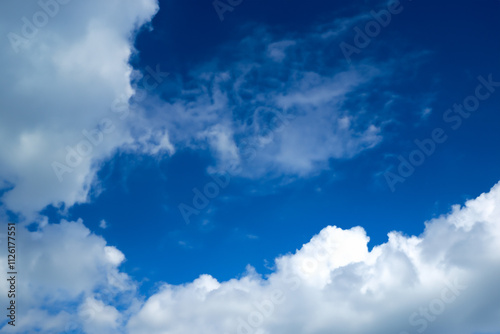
(442, 280)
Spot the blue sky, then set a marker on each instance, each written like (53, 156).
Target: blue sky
(348, 193)
(261, 105)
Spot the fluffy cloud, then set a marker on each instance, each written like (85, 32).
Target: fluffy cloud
(64, 69)
(444, 280)
(67, 279)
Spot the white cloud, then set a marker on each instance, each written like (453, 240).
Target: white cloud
(263, 118)
(221, 140)
(98, 317)
(277, 51)
(113, 255)
(444, 280)
(62, 82)
(103, 224)
(67, 277)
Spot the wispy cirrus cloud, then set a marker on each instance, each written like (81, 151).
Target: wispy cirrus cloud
(281, 105)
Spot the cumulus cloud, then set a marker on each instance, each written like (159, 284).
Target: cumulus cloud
(64, 67)
(443, 281)
(98, 317)
(67, 279)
